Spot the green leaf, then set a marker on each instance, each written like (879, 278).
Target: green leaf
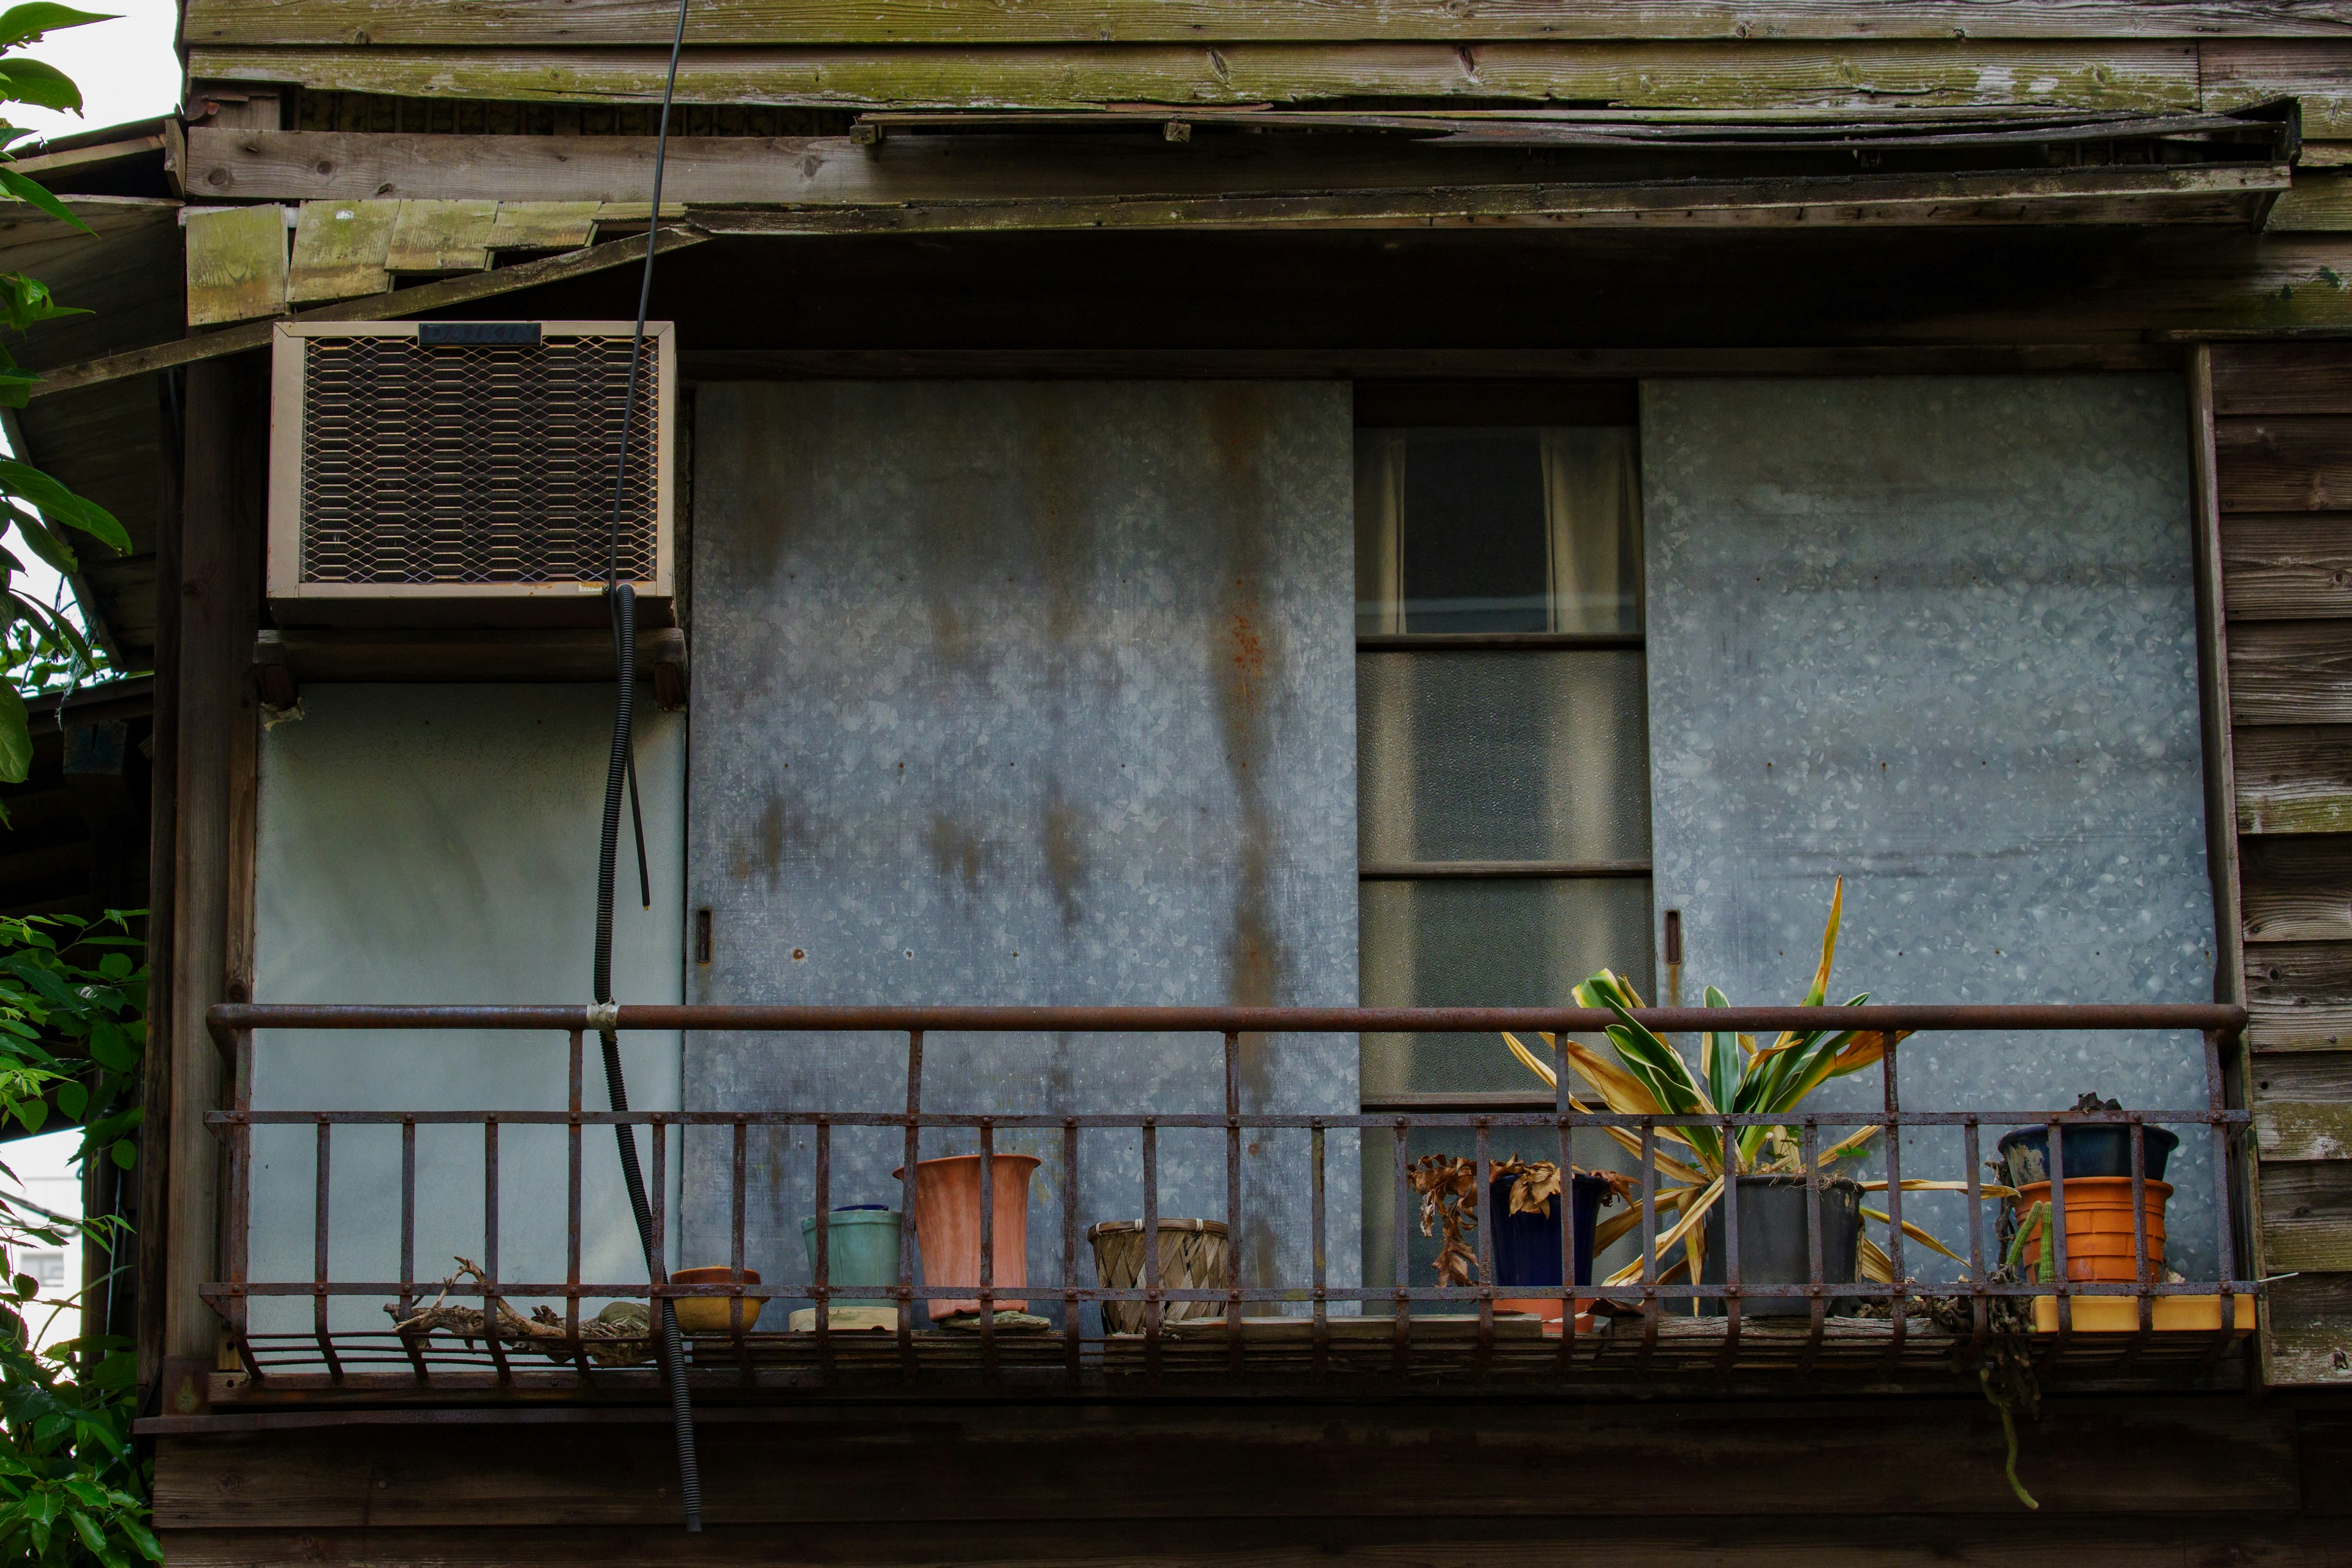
(59, 504)
(27, 300)
(44, 544)
(15, 737)
(24, 23)
(73, 1099)
(125, 1153)
(35, 195)
(40, 83)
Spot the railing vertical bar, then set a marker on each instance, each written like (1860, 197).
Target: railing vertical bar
(240, 1204)
(1151, 1249)
(572, 1201)
(908, 1189)
(1649, 1242)
(2142, 1273)
(490, 1335)
(739, 1177)
(821, 1286)
(1072, 1311)
(2225, 1213)
(1559, 1106)
(408, 1247)
(657, 1200)
(2053, 1247)
(1731, 1301)
(323, 1168)
(1233, 1203)
(988, 1368)
(1320, 1364)
(1401, 1328)
(1979, 1305)
(1898, 1305)
(1481, 1202)
(1815, 1268)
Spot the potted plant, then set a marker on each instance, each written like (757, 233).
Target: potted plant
(947, 1227)
(1524, 1195)
(1651, 1078)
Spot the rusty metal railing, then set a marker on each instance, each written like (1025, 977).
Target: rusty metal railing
(348, 1359)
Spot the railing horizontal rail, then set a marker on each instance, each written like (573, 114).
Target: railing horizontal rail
(1130, 1121)
(229, 1017)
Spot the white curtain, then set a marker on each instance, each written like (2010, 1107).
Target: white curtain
(1593, 502)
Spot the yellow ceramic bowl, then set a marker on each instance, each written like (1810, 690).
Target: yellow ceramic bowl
(711, 1314)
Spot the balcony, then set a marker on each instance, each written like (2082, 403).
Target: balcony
(1262, 1328)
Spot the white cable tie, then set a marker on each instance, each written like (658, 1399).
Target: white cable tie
(604, 1017)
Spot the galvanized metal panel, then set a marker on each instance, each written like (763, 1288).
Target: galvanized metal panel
(1024, 693)
(1936, 634)
(422, 844)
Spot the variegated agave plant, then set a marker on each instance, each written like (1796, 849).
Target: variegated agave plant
(1650, 1078)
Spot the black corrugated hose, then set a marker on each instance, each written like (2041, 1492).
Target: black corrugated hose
(622, 771)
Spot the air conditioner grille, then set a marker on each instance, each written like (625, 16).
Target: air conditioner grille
(480, 463)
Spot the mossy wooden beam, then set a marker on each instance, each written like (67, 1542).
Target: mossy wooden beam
(236, 264)
(2320, 202)
(2316, 72)
(1860, 78)
(647, 23)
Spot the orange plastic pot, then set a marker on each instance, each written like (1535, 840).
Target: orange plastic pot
(947, 1227)
(2099, 1246)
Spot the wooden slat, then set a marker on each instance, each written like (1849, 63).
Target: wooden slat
(2286, 462)
(545, 225)
(1353, 1463)
(2291, 672)
(2282, 378)
(2319, 73)
(2294, 1129)
(1864, 77)
(236, 265)
(2294, 779)
(2300, 993)
(2306, 1213)
(2316, 1077)
(2325, 154)
(339, 249)
(2310, 1342)
(2287, 566)
(2298, 890)
(441, 237)
(647, 23)
(2318, 203)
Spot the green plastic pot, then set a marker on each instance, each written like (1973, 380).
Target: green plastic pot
(863, 1243)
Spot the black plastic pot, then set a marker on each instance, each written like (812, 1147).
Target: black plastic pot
(2099, 1151)
(1775, 1247)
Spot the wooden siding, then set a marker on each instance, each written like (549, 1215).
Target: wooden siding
(2283, 444)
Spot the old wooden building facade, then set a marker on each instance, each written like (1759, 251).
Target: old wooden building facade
(1264, 509)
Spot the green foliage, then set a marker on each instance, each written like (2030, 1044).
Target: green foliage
(73, 1000)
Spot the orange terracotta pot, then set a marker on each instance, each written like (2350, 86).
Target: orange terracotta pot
(2099, 1246)
(947, 1227)
(1550, 1312)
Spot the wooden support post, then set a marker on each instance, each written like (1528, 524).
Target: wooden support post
(214, 723)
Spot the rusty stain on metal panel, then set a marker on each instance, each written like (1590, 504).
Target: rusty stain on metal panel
(1066, 674)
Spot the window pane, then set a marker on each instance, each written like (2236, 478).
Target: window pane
(1521, 530)
(1502, 755)
(1488, 944)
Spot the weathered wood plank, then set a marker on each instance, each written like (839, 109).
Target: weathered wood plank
(1862, 78)
(1019, 1463)
(546, 226)
(2310, 1342)
(338, 250)
(2282, 378)
(441, 237)
(2317, 203)
(2306, 1213)
(2286, 462)
(2317, 1077)
(2290, 566)
(647, 23)
(2299, 995)
(1439, 1537)
(2319, 73)
(2298, 890)
(2298, 1130)
(236, 265)
(2291, 672)
(2295, 779)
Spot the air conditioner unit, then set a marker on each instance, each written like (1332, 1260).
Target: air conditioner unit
(460, 473)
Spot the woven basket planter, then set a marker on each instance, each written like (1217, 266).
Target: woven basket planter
(1194, 1255)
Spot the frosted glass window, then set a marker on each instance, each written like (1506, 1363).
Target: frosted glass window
(1537, 754)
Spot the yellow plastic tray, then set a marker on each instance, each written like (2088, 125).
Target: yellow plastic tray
(2120, 1314)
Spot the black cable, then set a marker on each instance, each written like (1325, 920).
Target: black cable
(621, 772)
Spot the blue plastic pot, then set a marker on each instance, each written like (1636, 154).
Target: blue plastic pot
(1526, 1246)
